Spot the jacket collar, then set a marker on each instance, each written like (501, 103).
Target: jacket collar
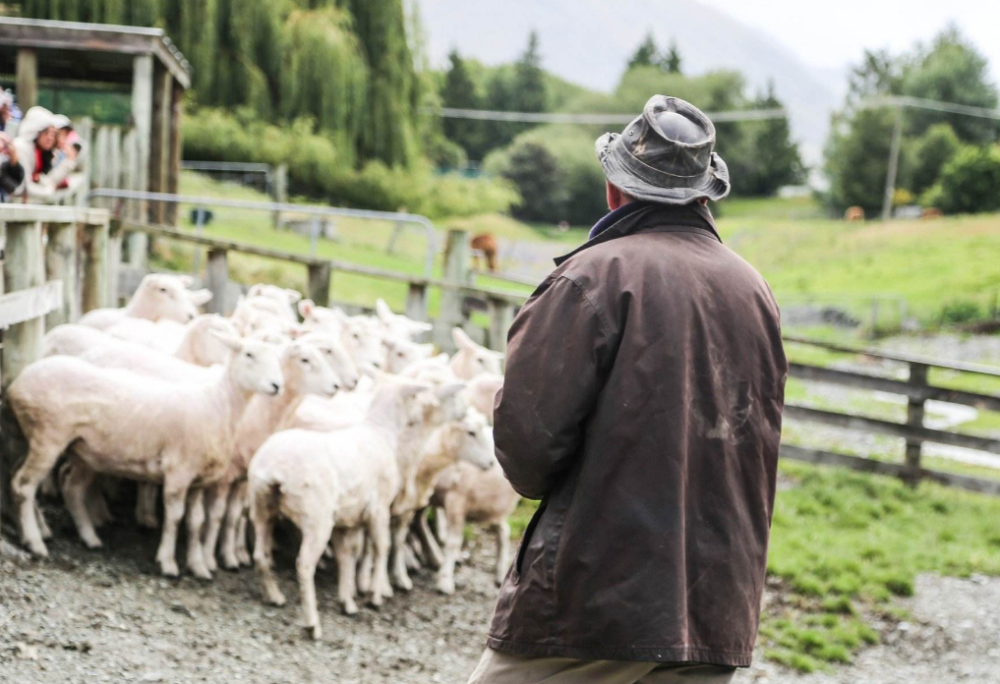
(649, 218)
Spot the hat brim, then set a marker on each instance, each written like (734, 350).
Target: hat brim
(714, 183)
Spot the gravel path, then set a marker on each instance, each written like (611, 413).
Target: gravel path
(107, 617)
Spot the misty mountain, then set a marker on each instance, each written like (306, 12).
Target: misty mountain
(590, 41)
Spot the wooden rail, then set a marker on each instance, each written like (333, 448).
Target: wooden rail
(918, 391)
(51, 282)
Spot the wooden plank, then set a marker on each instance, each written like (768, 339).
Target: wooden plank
(456, 270)
(159, 152)
(416, 301)
(977, 368)
(38, 213)
(24, 269)
(217, 276)
(892, 386)
(27, 78)
(883, 427)
(176, 144)
(915, 415)
(501, 318)
(319, 276)
(868, 465)
(96, 266)
(142, 120)
(61, 266)
(34, 302)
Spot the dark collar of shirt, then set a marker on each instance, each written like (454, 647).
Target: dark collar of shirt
(614, 217)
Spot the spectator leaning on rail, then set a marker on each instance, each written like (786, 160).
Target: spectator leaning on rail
(44, 180)
(642, 404)
(11, 171)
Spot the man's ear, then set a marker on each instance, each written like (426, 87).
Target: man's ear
(615, 198)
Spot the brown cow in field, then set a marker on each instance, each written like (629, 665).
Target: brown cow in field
(854, 214)
(931, 213)
(487, 244)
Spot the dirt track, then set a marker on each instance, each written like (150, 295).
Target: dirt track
(105, 616)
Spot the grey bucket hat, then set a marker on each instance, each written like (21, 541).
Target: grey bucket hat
(666, 155)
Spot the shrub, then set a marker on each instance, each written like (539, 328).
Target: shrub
(929, 154)
(323, 166)
(969, 183)
(540, 180)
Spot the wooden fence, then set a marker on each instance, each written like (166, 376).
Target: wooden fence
(47, 282)
(918, 390)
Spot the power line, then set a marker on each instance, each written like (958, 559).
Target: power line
(594, 119)
(933, 105)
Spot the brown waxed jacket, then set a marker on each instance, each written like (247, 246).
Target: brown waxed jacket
(642, 403)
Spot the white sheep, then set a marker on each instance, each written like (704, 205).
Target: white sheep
(361, 336)
(472, 359)
(158, 297)
(469, 440)
(401, 353)
(131, 426)
(305, 371)
(317, 480)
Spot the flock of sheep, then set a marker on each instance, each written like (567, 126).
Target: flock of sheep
(341, 424)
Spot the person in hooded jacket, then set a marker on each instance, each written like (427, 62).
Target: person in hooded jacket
(44, 179)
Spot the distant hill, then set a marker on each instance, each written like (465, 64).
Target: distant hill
(589, 42)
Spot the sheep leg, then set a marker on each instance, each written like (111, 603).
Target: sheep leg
(345, 548)
(195, 519)
(174, 496)
(242, 554)
(97, 505)
(264, 511)
(218, 500)
(145, 505)
(400, 528)
(364, 560)
(452, 549)
(502, 531)
(42, 458)
(234, 514)
(76, 484)
(413, 560)
(432, 551)
(440, 524)
(381, 540)
(43, 525)
(315, 536)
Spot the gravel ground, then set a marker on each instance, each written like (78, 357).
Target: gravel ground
(107, 617)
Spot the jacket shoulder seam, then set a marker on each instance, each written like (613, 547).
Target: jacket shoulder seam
(605, 328)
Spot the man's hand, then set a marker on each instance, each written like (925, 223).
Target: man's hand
(7, 147)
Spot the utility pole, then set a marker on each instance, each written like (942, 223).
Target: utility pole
(890, 177)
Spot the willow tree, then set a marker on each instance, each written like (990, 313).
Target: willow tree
(388, 134)
(245, 68)
(324, 73)
(191, 24)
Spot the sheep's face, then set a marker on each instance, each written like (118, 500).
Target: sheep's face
(256, 367)
(320, 318)
(475, 441)
(166, 298)
(274, 300)
(363, 340)
(306, 372)
(401, 353)
(335, 356)
(443, 403)
(473, 359)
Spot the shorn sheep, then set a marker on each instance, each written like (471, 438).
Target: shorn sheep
(159, 297)
(472, 359)
(124, 424)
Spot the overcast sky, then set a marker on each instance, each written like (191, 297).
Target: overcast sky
(832, 34)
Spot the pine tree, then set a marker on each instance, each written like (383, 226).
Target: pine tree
(671, 61)
(646, 54)
(460, 92)
(530, 93)
(775, 158)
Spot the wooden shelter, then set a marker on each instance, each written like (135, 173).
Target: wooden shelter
(71, 52)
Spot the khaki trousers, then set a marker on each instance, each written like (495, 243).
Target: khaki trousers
(503, 668)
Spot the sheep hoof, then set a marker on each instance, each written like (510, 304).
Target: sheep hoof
(169, 569)
(38, 549)
(244, 558)
(350, 608)
(277, 599)
(210, 564)
(316, 632)
(446, 587)
(404, 584)
(92, 542)
(201, 573)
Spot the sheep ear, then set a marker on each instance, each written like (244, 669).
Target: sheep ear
(462, 340)
(419, 326)
(200, 297)
(428, 348)
(255, 290)
(293, 296)
(306, 308)
(228, 339)
(411, 389)
(185, 280)
(495, 354)
(383, 311)
(449, 390)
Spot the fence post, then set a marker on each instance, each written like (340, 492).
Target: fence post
(501, 317)
(915, 418)
(217, 278)
(416, 301)
(456, 270)
(280, 190)
(23, 268)
(60, 264)
(97, 270)
(114, 260)
(320, 275)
